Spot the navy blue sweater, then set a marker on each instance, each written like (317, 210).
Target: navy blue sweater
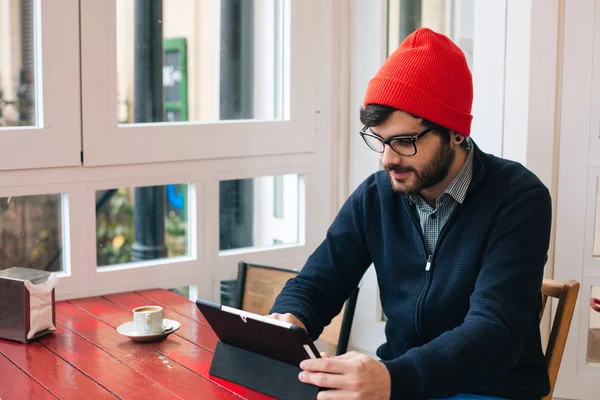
(468, 325)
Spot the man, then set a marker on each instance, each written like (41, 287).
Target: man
(458, 239)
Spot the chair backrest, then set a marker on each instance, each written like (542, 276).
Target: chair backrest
(259, 286)
(566, 293)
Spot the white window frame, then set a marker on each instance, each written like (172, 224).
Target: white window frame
(308, 155)
(205, 265)
(56, 141)
(105, 142)
(71, 211)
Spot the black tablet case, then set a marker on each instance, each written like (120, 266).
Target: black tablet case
(243, 359)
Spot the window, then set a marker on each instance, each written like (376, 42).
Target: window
(18, 104)
(124, 166)
(593, 345)
(246, 217)
(230, 68)
(479, 29)
(31, 232)
(278, 196)
(597, 227)
(39, 91)
(141, 224)
(190, 79)
(454, 18)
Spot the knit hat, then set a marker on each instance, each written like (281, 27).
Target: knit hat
(427, 76)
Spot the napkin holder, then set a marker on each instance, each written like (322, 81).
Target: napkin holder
(27, 304)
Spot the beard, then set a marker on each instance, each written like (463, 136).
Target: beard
(430, 175)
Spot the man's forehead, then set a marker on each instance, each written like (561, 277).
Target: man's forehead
(399, 123)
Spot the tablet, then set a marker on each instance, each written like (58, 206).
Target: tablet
(269, 337)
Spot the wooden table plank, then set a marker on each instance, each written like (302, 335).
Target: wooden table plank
(105, 369)
(141, 358)
(56, 375)
(191, 330)
(175, 302)
(17, 385)
(184, 352)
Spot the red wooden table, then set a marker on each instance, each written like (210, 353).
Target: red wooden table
(87, 359)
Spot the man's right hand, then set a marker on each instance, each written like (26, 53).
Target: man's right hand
(287, 317)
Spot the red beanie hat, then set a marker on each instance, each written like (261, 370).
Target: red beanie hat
(427, 76)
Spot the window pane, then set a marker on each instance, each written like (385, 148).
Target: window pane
(455, 19)
(31, 232)
(246, 212)
(597, 230)
(141, 224)
(200, 60)
(17, 63)
(593, 348)
(278, 196)
(182, 291)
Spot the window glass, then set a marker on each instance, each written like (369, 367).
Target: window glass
(141, 224)
(31, 232)
(18, 104)
(454, 18)
(254, 214)
(200, 60)
(593, 348)
(597, 227)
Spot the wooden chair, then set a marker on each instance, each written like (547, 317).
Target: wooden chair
(566, 293)
(259, 285)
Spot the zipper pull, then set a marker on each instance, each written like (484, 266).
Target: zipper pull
(428, 266)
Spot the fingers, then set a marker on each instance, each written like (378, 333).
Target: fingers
(349, 356)
(336, 394)
(324, 355)
(284, 317)
(281, 317)
(331, 381)
(287, 317)
(330, 365)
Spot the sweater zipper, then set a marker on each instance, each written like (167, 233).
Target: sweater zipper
(428, 258)
(429, 261)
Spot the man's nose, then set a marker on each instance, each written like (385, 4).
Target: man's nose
(390, 157)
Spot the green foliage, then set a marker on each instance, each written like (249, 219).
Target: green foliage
(42, 248)
(176, 239)
(115, 231)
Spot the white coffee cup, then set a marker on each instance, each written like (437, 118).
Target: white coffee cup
(148, 319)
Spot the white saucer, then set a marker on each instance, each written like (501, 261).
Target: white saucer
(128, 329)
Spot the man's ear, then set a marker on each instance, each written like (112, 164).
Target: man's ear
(457, 139)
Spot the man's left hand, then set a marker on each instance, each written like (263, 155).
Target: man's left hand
(350, 376)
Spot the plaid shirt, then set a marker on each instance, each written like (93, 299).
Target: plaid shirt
(433, 219)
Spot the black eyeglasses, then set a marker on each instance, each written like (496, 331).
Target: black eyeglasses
(405, 145)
